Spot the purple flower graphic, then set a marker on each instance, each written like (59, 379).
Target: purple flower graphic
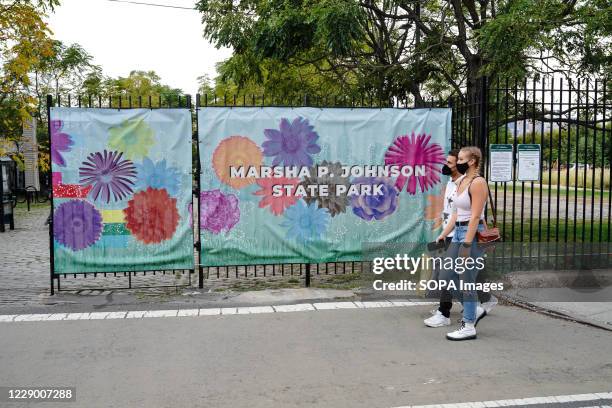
(376, 207)
(108, 173)
(60, 142)
(218, 211)
(293, 144)
(77, 224)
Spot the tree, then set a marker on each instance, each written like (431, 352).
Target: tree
(24, 42)
(424, 48)
(138, 86)
(67, 70)
(272, 82)
(349, 47)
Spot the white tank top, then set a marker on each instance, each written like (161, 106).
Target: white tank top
(463, 206)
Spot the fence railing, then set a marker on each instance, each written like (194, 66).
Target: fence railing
(571, 122)
(112, 102)
(570, 119)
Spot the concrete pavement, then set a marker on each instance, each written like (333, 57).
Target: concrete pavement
(381, 357)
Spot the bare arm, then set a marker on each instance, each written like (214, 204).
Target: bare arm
(479, 192)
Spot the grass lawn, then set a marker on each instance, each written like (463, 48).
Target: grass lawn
(551, 229)
(562, 191)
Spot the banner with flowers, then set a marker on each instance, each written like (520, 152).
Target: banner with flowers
(122, 189)
(306, 185)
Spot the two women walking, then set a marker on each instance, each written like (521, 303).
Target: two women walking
(465, 221)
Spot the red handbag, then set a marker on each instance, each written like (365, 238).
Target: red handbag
(489, 235)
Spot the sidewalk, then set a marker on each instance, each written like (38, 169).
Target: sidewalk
(24, 264)
(582, 296)
(593, 313)
(360, 358)
(24, 286)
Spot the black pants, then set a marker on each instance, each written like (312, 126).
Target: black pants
(446, 298)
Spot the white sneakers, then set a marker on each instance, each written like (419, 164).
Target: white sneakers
(437, 320)
(480, 314)
(466, 331)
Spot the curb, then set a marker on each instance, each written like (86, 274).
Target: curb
(552, 313)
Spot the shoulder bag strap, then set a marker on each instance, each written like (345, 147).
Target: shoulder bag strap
(493, 209)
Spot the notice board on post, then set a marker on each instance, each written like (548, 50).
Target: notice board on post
(501, 157)
(305, 185)
(529, 162)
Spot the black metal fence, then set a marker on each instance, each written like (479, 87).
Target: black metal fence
(114, 102)
(571, 204)
(300, 270)
(571, 120)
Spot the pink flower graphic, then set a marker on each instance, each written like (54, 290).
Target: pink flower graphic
(218, 211)
(283, 201)
(415, 150)
(60, 142)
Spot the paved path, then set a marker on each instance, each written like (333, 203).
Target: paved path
(24, 266)
(576, 208)
(24, 251)
(380, 357)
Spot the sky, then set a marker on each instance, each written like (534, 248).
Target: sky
(123, 37)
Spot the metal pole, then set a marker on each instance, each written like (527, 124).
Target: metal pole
(188, 102)
(482, 142)
(51, 249)
(307, 280)
(2, 198)
(198, 189)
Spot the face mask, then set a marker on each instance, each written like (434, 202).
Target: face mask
(446, 170)
(463, 167)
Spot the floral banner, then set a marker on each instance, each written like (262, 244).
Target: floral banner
(122, 189)
(305, 185)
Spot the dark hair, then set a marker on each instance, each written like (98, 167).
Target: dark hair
(454, 153)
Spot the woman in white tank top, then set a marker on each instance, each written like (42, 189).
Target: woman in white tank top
(466, 220)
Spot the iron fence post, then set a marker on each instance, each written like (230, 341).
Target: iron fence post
(2, 228)
(51, 249)
(198, 192)
(483, 125)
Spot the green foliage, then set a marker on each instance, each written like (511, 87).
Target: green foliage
(560, 35)
(279, 84)
(24, 42)
(138, 84)
(395, 49)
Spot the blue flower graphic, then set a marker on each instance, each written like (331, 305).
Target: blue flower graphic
(305, 222)
(292, 144)
(158, 175)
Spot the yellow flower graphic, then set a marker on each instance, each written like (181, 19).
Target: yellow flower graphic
(236, 151)
(133, 137)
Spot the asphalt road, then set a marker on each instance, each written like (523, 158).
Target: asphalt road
(330, 358)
